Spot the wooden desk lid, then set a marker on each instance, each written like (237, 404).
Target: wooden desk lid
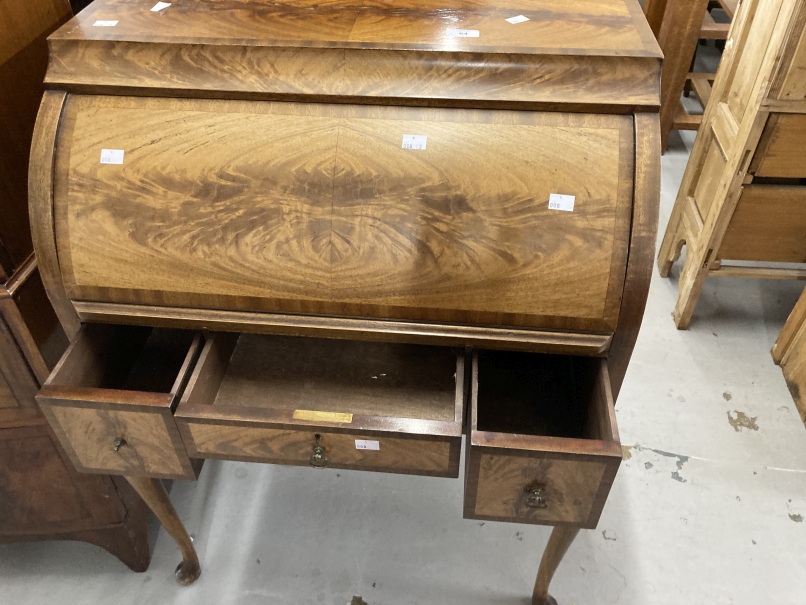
(577, 53)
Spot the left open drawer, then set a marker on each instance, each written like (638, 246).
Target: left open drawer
(111, 399)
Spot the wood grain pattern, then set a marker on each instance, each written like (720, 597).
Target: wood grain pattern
(768, 225)
(782, 156)
(570, 488)
(20, 93)
(489, 337)
(559, 542)
(40, 207)
(396, 454)
(242, 404)
(353, 50)
(33, 465)
(388, 232)
(28, 314)
(574, 472)
(643, 234)
(122, 383)
(721, 160)
(789, 83)
(373, 379)
(24, 22)
(678, 33)
(603, 27)
(23, 60)
(91, 433)
(19, 379)
(42, 497)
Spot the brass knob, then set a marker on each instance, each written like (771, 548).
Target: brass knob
(535, 498)
(118, 443)
(318, 459)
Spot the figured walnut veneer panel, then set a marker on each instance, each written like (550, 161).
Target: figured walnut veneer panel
(282, 446)
(569, 488)
(317, 209)
(599, 26)
(91, 433)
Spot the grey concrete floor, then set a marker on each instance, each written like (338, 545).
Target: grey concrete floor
(705, 509)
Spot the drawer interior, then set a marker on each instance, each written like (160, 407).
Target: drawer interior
(128, 358)
(540, 395)
(385, 407)
(341, 376)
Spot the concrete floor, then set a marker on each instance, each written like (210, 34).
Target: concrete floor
(707, 507)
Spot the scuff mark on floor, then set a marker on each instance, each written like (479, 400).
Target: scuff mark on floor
(612, 538)
(681, 399)
(681, 460)
(626, 452)
(648, 465)
(727, 396)
(796, 518)
(742, 421)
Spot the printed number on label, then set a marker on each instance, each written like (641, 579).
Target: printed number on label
(414, 141)
(561, 202)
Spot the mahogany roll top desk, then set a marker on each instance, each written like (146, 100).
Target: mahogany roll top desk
(347, 233)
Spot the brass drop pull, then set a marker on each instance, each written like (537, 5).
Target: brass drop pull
(535, 498)
(119, 442)
(318, 460)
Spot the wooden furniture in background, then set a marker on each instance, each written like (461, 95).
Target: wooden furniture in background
(678, 27)
(42, 497)
(742, 198)
(789, 352)
(359, 217)
(677, 24)
(701, 83)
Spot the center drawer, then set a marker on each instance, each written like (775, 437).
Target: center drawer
(544, 446)
(326, 403)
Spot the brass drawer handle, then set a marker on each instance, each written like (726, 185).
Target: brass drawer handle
(318, 459)
(535, 498)
(118, 443)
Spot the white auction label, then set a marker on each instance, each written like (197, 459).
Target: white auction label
(461, 33)
(111, 156)
(159, 6)
(518, 19)
(105, 23)
(365, 444)
(414, 141)
(561, 202)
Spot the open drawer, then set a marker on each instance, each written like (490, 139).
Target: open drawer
(111, 398)
(343, 404)
(544, 446)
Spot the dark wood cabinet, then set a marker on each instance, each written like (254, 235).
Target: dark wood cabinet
(42, 496)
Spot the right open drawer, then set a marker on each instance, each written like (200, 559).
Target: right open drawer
(543, 445)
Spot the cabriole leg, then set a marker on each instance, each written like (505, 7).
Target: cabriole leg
(152, 491)
(560, 540)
